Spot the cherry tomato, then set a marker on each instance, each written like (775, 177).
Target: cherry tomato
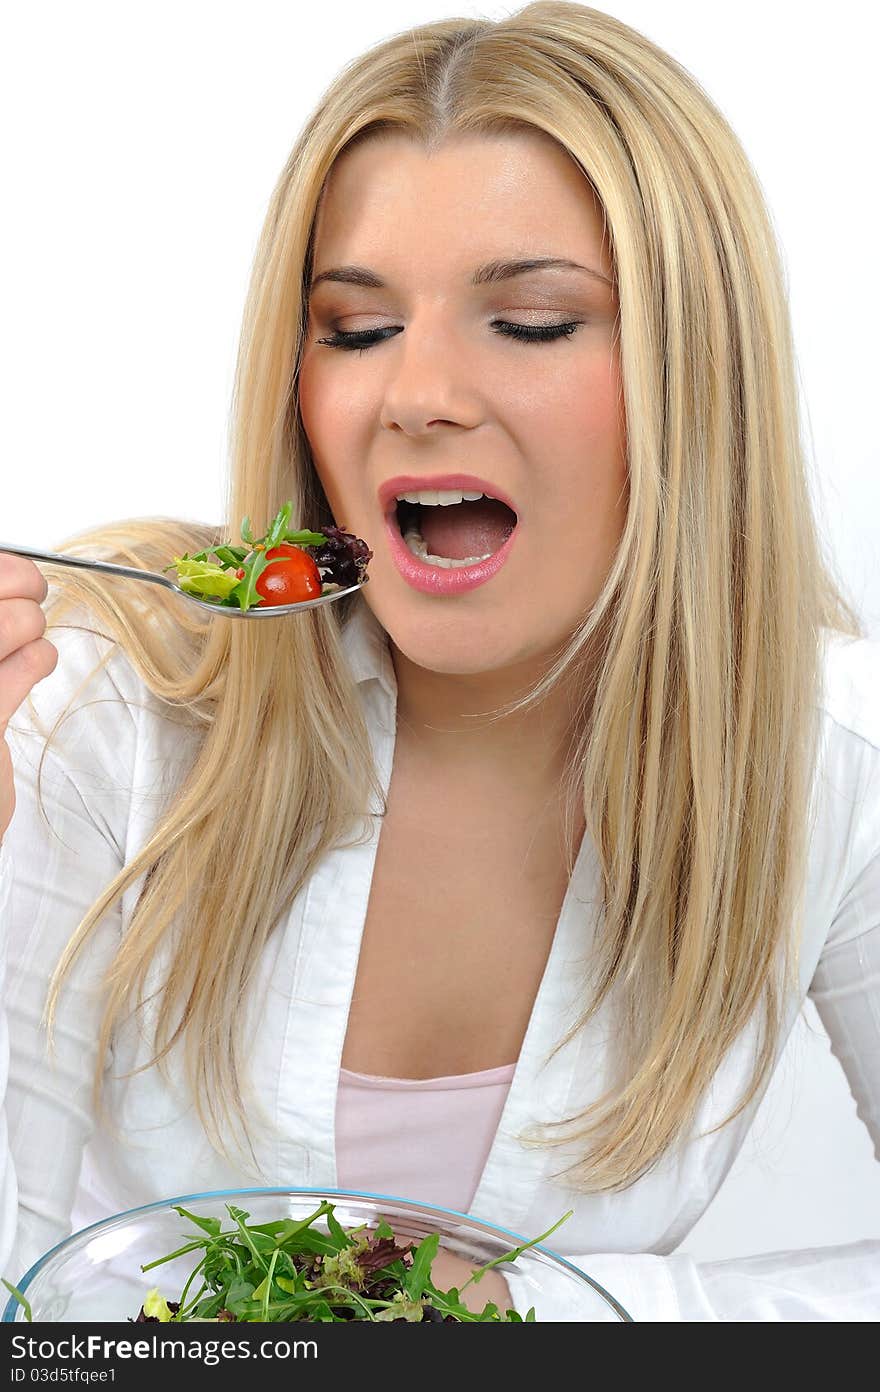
(289, 581)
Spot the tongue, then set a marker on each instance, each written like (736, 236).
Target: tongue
(466, 529)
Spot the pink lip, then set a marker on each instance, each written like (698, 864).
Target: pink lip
(437, 580)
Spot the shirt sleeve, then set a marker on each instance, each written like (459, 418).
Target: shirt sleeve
(838, 1283)
(52, 869)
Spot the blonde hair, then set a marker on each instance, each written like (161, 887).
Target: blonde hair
(693, 769)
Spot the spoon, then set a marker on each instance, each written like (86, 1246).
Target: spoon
(260, 612)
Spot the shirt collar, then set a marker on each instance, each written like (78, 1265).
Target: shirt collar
(365, 642)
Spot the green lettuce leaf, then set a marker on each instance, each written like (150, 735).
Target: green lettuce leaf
(203, 578)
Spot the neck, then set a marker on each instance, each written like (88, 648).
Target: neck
(451, 721)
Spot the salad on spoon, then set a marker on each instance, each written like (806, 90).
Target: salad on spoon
(281, 567)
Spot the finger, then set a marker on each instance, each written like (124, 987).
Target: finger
(7, 788)
(21, 621)
(19, 576)
(20, 672)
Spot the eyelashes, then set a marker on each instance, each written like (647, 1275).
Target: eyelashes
(526, 333)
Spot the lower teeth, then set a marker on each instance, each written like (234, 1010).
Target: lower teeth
(418, 546)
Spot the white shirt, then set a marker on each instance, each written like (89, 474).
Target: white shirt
(106, 783)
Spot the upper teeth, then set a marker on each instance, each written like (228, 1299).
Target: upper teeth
(440, 497)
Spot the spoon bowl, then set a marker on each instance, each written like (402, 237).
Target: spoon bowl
(133, 573)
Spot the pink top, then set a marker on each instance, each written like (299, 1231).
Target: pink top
(418, 1138)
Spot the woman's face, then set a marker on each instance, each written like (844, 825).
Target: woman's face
(445, 401)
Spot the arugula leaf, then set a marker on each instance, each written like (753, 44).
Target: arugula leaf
(292, 1229)
(420, 1270)
(245, 590)
(209, 1308)
(263, 1291)
(22, 1300)
(516, 1251)
(208, 1225)
(257, 1243)
(322, 1314)
(238, 1295)
(337, 1231)
(232, 555)
(278, 526)
(305, 538)
(180, 1252)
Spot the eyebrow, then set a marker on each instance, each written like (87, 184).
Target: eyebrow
(492, 272)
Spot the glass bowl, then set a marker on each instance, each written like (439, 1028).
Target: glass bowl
(95, 1274)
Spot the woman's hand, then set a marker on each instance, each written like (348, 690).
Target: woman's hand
(26, 657)
(448, 1270)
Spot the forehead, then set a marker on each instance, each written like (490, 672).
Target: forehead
(517, 193)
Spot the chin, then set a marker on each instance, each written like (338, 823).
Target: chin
(452, 647)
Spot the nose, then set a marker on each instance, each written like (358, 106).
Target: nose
(429, 384)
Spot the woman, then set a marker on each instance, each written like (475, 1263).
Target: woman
(499, 885)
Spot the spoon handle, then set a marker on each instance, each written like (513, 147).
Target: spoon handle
(57, 558)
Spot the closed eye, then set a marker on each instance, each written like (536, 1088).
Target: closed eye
(526, 333)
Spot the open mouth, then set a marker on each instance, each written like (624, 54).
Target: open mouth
(455, 533)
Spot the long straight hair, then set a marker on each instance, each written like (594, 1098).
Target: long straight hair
(693, 767)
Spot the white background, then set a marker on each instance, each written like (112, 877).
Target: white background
(141, 144)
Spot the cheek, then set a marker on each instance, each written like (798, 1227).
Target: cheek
(579, 429)
(587, 405)
(330, 421)
(317, 407)
(335, 404)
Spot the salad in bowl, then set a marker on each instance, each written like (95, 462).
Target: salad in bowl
(298, 1255)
